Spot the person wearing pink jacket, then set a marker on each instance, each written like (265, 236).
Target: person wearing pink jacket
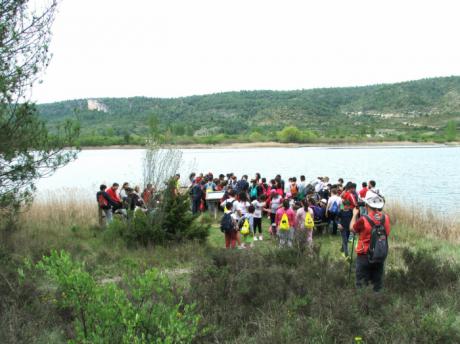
(285, 231)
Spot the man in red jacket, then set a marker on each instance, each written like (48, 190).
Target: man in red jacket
(367, 271)
(113, 194)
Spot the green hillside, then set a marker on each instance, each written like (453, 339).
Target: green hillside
(422, 110)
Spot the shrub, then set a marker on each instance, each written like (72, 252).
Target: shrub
(147, 311)
(279, 296)
(171, 221)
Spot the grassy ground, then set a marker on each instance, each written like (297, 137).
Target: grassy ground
(72, 226)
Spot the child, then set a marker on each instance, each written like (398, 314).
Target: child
(258, 205)
(344, 219)
(228, 226)
(285, 223)
(275, 203)
(246, 226)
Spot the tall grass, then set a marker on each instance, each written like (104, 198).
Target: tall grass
(424, 221)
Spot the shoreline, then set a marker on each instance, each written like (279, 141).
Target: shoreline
(248, 145)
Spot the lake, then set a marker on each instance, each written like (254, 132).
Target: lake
(427, 176)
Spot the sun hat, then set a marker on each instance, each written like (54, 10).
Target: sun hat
(324, 201)
(374, 200)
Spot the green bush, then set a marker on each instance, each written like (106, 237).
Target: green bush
(146, 311)
(170, 221)
(280, 296)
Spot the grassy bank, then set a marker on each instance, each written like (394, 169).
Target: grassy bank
(257, 296)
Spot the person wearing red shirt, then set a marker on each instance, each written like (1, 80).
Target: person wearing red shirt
(113, 194)
(350, 194)
(363, 191)
(366, 271)
(286, 236)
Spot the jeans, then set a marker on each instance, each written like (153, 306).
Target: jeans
(286, 237)
(108, 215)
(369, 272)
(196, 205)
(345, 234)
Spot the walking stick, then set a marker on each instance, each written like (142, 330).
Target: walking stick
(351, 260)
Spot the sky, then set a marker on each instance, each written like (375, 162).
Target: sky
(174, 48)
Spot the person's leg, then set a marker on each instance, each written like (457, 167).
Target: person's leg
(282, 238)
(344, 234)
(227, 239)
(362, 271)
(195, 205)
(238, 238)
(108, 216)
(376, 275)
(290, 236)
(309, 237)
(334, 226)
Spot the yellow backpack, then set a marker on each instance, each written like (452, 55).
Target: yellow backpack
(245, 227)
(309, 223)
(284, 223)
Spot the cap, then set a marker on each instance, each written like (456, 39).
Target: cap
(374, 200)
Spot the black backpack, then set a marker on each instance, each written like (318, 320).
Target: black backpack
(378, 246)
(226, 223)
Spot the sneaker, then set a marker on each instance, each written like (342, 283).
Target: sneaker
(261, 238)
(255, 238)
(241, 247)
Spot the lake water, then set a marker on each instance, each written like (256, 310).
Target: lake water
(428, 176)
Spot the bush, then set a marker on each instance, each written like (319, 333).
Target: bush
(171, 221)
(282, 296)
(146, 311)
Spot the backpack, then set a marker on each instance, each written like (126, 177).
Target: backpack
(284, 223)
(309, 223)
(253, 192)
(378, 246)
(226, 223)
(334, 209)
(245, 227)
(294, 190)
(103, 204)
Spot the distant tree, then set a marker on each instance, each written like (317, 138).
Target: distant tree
(451, 131)
(290, 134)
(28, 150)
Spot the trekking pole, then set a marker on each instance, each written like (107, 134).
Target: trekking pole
(351, 258)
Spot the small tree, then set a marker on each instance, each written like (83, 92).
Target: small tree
(28, 151)
(160, 162)
(290, 134)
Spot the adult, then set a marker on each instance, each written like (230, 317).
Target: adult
(124, 191)
(112, 192)
(367, 270)
(197, 195)
(363, 191)
(350, 194)
(242, 185)
(147, 194)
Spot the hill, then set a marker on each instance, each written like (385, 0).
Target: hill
(416, 110)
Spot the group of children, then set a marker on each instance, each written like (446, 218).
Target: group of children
(294, 209)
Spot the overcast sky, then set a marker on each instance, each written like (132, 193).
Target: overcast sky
(171, 48)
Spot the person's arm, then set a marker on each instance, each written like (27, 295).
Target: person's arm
(354, 219)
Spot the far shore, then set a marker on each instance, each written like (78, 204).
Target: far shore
(360, 145)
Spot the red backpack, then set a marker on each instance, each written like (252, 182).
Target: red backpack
(102, 201)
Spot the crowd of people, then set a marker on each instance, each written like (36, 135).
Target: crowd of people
(116, 200)
(295, 209)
